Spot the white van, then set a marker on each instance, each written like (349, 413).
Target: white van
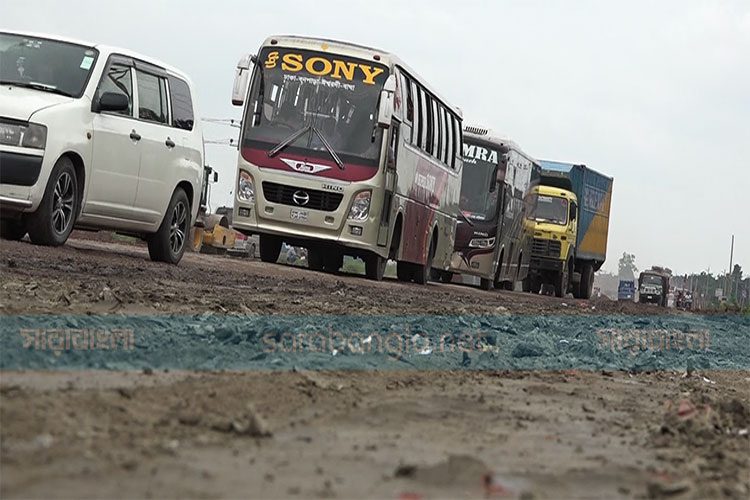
(97, 138)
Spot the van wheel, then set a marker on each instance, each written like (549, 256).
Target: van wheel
(270, 248)
(168, 243)
(12, 230)
(375, 266)
(52, 222)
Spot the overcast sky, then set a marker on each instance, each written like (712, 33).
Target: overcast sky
(655, 94)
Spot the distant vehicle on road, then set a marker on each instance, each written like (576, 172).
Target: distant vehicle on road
(626, 291)
(345, 150)
(96, 137)
(570, 225)
(653, 286)
(491, 241)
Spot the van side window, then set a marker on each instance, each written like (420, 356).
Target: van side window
(182, 104)
(119, 80)
(152, 97)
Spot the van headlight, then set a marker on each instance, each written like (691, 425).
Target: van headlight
(245, 188)
(482, 243)
(27, 135)
(360, 206)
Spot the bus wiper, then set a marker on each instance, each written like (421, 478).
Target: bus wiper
(283, 144)
(286, 142)
(468, 221)
(37, 86)
(330, 149)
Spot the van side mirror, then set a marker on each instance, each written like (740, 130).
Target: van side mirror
(573, 211)
(241, 77)
(385, 107)
(113, 101)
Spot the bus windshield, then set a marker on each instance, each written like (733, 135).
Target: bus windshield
(551, 209)
(315, 98)
(480, 163)
(46, 65)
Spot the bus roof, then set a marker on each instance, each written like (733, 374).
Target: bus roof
(358, 51)
(489, 135)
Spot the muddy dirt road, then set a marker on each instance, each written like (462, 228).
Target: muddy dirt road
(386, 433)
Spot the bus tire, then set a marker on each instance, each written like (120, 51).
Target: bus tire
(404, 271)
(333, 261)
(422, 271)
(375, 266)
(270, 248)
(446, 277)
(485, 284)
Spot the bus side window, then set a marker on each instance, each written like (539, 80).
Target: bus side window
(435, 130)
(459, 141)
(430, 138)
(424, 119)
(446, 135)
(416, 129)
(409, 100)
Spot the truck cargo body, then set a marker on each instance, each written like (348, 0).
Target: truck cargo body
(594, 193)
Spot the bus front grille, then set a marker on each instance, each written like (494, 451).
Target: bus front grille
(545, 248)
(302, 197)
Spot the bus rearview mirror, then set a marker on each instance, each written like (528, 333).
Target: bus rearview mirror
(241, 77)
(385, 107)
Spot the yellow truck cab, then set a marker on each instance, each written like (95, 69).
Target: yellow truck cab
(554, 226)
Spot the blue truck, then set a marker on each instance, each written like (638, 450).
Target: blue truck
(570, 222)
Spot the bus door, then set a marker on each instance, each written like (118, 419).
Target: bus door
(391, 180)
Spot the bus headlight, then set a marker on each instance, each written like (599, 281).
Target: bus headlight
(482, 243)
(245, 188)
(360, 206)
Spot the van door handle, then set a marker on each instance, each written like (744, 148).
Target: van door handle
(135, 135)
(169, 142)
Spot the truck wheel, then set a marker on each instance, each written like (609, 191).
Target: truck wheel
(52, 222)
(404, 271)
(168, 243)
(270, 247)
(586, 285)
(375, 266)
(561, 284)
(12, 230)
(485, 284)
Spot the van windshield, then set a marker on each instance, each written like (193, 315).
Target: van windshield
(46, 65)
(295, 91)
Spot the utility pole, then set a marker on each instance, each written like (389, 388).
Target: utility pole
(731, 261)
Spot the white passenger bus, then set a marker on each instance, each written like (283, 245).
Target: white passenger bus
(345, 150)
(492, 242)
